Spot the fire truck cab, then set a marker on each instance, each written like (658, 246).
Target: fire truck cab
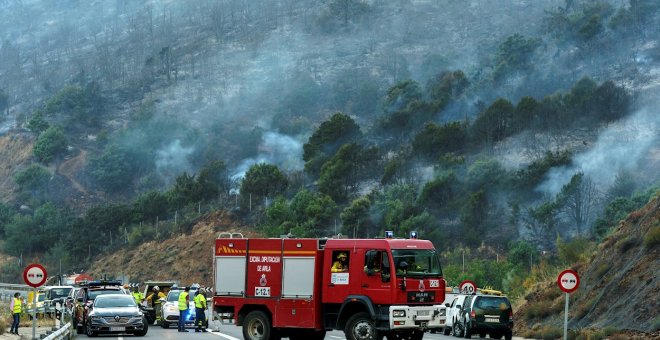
(300, 288)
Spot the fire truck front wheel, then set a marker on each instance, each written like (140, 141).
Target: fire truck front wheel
(361, 327)
(257, 326)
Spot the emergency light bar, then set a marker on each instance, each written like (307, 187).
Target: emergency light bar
(389, 234)
(413, 234)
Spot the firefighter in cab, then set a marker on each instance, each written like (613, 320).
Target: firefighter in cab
(341, 265)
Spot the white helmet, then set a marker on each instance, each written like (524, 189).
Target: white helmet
(156, 288)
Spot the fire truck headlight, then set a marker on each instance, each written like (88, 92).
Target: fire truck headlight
(399, 313)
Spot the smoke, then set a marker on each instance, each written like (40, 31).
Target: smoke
(172, 160)
(283, 151)
(622, 146)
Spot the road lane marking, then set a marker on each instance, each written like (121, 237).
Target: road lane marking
(120, 338)
(224, 336)
(336, 337)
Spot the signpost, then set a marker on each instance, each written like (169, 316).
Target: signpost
(468, 287)
(34, 276)
(568, 281)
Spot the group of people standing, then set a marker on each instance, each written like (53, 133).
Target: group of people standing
(200, 309)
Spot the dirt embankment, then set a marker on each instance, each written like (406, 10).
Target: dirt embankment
(15, 154)
(619, 286)
(186, 258)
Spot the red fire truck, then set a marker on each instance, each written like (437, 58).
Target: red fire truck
(299, 288)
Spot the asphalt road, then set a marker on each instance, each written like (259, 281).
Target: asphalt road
(226, 333)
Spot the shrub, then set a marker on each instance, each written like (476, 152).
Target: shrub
(50, 144)
(627, 243)
(652, 238)
(3, 326)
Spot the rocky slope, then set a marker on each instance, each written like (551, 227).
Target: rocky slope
(618, 286)
(186, 258)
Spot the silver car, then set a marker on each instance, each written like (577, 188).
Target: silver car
(115, 313)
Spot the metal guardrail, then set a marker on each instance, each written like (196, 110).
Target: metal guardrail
(63, 333)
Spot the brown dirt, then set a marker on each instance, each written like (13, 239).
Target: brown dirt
(71, 167)
(15, 154)
(619, 286)
(185, 258)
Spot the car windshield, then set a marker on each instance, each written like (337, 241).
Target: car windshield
(417, 262)
(492, 302)
(114, 301)
(55, 293)
(173, 295)
(92, 294)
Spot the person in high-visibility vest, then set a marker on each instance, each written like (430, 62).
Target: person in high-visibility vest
(184, 301)
(16, 307)
(137, 295)
(200, 308)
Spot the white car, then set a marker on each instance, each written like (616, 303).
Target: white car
(170, 310)
(452, 313)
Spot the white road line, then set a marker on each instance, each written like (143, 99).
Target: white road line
(224, 336)
(120, 338)
(336, 337)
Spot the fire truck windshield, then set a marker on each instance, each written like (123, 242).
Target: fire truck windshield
(417, 262)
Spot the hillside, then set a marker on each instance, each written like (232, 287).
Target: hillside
(15, 153)
(186, 258)
(618, 286)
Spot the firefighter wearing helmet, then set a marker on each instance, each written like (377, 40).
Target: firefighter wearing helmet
(341, 264)
(154, 301)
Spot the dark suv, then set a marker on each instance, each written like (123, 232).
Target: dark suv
(485, 314)
(85, 296)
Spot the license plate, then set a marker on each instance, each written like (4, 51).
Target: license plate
(423, 313)
(117, 329)
(492, 320)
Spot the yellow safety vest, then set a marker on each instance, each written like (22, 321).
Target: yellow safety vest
(138, 297)
(17, 306)
(183, 304)
(200, 301)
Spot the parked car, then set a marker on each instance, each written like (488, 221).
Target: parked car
(452, 313)
(69, 301)
(115, 313)
(85, 298)
(55, 295)
(170, 309)
(485, 314)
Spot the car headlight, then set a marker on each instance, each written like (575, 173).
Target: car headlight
(398, 313)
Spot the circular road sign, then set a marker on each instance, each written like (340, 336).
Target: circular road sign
(568, 280)
(468, 287)
(34, 275)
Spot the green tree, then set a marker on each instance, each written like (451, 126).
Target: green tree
(116, 168)
(327, 139)
(494, 124)
(262, 181)
(520, 253)
(20, 236)
(34, 178)
(435, 140)
(37, 122)
(514, 54)
(474, 218)
(485, 174)
(50, 144)
(186, 190)
(356, 215)
(313, 213)
(440, 194)
(214, 179)
(445, 87)
(150, 205)
(341, 175)
(6, 215)
(396, 204)
(525, 115)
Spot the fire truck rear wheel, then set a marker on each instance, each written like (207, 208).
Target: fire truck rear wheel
(257, 326)
(361, 327)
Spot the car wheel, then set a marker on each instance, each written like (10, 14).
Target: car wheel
(88, 331)
(467, 333)
(456, 331)
(360, 327)
(482, 335)
(164, 324)
(257, 326)
(508, 335)
(446, 330)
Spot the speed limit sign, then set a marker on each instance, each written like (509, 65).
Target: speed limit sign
(468, 287)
